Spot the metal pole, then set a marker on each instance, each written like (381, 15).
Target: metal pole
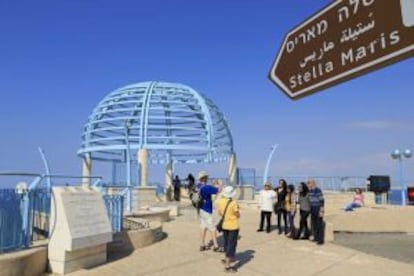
(46, 165)
(400, 163)
(128, 172)
(269, 159)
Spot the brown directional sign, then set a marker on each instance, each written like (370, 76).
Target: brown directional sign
(345, 39)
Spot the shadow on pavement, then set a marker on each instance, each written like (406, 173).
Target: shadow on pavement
(243, 258)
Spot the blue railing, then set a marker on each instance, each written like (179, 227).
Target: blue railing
(12, 232)
(114, 206)
(24, 216)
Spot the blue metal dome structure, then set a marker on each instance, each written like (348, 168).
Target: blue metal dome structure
(172, 121)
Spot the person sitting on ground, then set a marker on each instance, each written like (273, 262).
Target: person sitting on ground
(280, 210)
(357, 202)
(230, 225)
(290, 206)
(206, 212)
(304, 207)
(266, 199)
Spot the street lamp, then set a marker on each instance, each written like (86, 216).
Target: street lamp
(128, 167)
(400, 155)
(269, 159)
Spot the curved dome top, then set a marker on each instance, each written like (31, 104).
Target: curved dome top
(171, 120)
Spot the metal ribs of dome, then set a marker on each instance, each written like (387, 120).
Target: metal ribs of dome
(172, 121)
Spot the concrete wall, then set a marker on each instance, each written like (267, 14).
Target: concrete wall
(128, 241)
(30, 262)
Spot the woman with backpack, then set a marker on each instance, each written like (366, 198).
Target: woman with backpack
(280, 210)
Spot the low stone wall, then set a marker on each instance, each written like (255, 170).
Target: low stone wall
(29, 262)
(160, 214)
(245, 192)
(128, 241)
(145, 196)
(172, 206)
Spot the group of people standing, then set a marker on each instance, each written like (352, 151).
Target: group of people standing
(283, 202)
(174, 192)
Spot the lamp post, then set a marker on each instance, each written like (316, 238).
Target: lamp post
(128, 168)
(269, 159)
(399, 156)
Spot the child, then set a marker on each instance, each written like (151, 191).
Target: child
(267, 197)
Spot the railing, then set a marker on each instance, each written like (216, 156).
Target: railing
(25, 213)
(327, 183)
(114, 206)
(12, 230)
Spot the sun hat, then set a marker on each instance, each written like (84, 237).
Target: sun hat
(229, 192)
(202, 174)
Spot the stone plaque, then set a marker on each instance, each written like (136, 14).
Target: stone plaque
(80, 229)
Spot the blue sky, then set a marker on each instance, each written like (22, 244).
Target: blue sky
(58, 59)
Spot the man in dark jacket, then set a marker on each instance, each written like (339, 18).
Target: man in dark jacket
(317, 203)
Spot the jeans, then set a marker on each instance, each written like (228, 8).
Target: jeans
(230, 242)
(351, 206)
(263, 215)
(291, 224)
(280, 213)
(317, 226)
(303, 225)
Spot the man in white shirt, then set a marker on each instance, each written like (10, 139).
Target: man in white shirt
(266, 200)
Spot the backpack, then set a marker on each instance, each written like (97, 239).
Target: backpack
(196, 200)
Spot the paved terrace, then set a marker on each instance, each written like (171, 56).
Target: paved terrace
(259, 253)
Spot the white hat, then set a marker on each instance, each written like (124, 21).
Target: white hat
(202, 174)
(229, 192)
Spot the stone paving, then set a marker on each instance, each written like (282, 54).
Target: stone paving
(258, 254)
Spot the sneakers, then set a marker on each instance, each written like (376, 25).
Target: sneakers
(259, 230)
(218, 249)
(230, 269)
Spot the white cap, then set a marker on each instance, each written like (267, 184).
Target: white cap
(229, 192)
(202, 174)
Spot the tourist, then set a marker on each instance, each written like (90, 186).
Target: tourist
(290, 207)
(266, 199)
(231, 217)
(177, 188)
(357, 202)
(280, 210)
(304, 207)
(317, 203)
(190, 183)
(206, 211)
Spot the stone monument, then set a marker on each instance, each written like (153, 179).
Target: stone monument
(80, 229)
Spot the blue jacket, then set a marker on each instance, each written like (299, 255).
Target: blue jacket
(316, 199)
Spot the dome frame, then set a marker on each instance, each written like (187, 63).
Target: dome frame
(172, 121)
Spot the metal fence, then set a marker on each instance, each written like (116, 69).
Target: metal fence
(327, 183)
(13, 234)
(114, 206)
(25, 214)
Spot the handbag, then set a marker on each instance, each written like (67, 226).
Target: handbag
(219, 225)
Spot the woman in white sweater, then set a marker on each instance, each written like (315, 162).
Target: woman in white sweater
(266, 200)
